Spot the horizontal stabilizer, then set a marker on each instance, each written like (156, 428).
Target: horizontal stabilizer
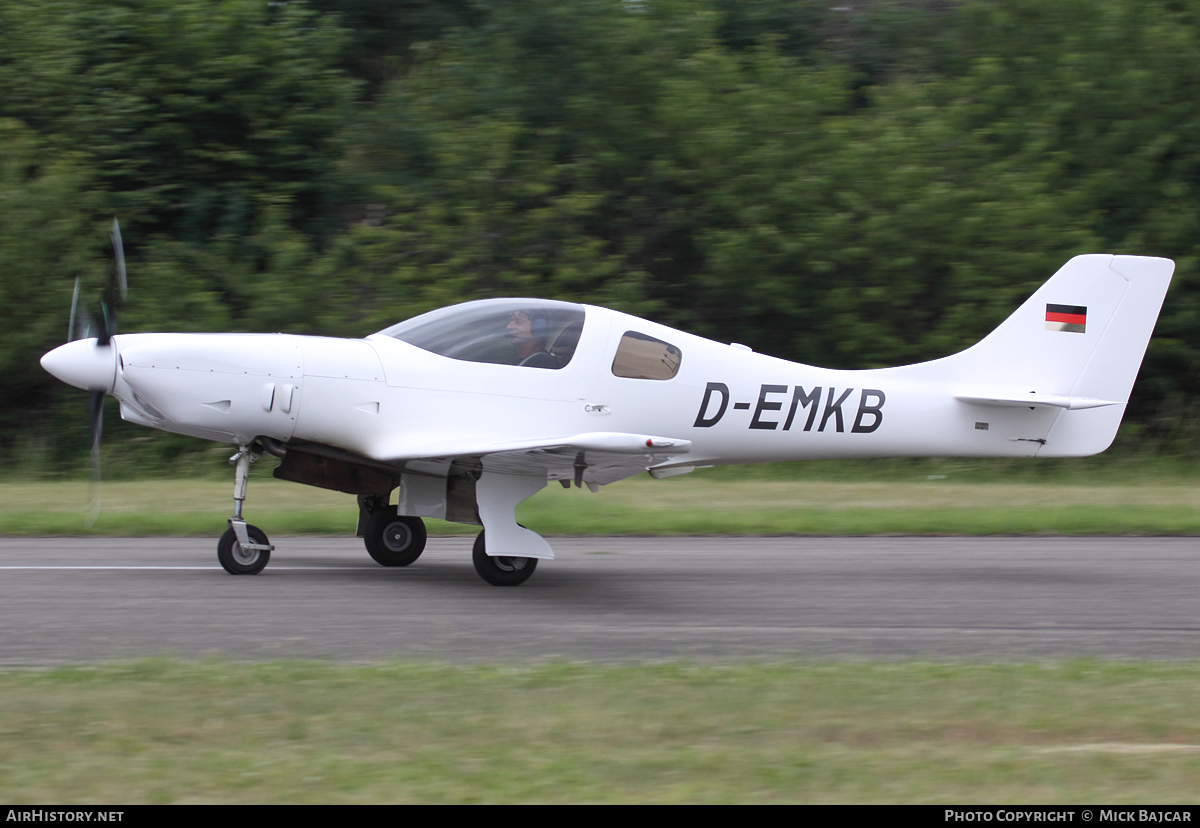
(1032, 400)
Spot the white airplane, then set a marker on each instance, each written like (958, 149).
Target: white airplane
(462, 413)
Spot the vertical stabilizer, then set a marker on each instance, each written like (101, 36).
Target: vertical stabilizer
(1113, 365)
(1075, 345)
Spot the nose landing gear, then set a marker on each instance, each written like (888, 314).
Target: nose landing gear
(243, 549)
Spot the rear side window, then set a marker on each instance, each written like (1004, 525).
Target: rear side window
(644, 357)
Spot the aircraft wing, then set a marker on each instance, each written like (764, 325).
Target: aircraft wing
(605, 456)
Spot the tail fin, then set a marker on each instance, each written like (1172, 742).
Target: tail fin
(1076, 345)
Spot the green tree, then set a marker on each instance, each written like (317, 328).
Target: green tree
(48, 237)
(189, 111)
(559, 150)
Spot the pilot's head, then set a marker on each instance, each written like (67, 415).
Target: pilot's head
(527, 330)
(528, 325)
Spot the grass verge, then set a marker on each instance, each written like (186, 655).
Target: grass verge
(173, 732)
(701, 504)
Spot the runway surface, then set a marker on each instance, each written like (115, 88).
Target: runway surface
(610, 599)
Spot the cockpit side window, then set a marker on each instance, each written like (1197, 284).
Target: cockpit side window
(644, 357)
(535, 333)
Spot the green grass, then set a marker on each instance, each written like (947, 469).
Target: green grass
(896, 499)
(171, 732)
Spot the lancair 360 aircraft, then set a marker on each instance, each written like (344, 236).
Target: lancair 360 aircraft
(464, 412)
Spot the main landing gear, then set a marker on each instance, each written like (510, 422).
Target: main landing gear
(392, 539)
(500, 570)
(243, 549)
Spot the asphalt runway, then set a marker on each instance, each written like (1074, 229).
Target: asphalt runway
(608, 599)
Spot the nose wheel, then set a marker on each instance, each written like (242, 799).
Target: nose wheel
(243, 549)
(248, 559)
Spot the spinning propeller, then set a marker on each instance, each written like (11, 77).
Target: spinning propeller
(84, 326)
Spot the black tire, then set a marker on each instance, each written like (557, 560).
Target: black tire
(500, 570)
(394, 540)
(239, 562)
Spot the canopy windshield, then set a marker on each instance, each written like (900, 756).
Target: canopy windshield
(536, 333)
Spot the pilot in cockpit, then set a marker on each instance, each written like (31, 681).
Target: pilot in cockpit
(528, 331)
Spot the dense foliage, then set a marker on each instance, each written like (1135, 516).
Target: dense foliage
(851, 186)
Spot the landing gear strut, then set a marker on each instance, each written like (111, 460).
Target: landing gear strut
(243, 549)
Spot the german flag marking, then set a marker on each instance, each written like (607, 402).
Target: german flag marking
(1070, 318)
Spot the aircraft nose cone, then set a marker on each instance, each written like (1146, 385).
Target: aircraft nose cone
(83, 364)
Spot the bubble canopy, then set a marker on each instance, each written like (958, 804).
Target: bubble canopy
(536, 333)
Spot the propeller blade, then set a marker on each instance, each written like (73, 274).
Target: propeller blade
(74, 304)
(119, 253)
(96, 413)
(114, 294)
(83, 326)
(106, 325)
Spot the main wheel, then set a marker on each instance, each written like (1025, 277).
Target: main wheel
(394, 540)
(238, 561)
(501, 570)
